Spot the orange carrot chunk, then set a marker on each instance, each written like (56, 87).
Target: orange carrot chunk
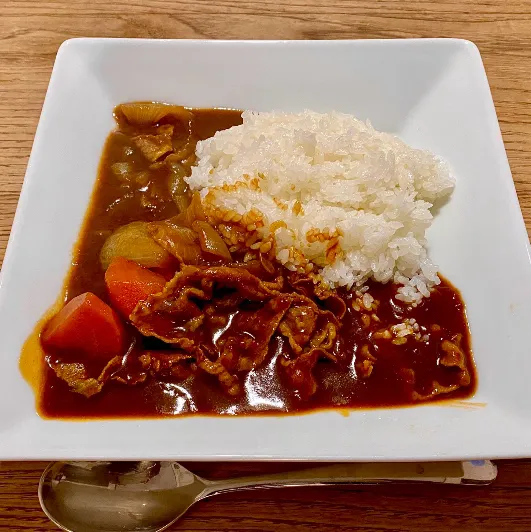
(128, 283)
(86, 324)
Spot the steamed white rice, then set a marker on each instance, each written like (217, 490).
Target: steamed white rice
(367, 193)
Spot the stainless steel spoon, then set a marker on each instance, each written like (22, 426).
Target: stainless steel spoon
(150, 496)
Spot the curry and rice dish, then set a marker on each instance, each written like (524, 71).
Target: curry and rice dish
(243, 263)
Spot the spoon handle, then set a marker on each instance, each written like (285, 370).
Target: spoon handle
(346, 473)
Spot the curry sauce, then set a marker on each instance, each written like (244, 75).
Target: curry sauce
(382, 353)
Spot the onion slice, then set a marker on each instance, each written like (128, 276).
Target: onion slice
(211, 241)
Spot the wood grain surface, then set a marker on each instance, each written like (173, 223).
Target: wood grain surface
(503, 506)
(30, 34)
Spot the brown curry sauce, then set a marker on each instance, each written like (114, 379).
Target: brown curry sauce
(395, 369)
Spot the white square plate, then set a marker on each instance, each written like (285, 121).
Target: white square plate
(433, 93)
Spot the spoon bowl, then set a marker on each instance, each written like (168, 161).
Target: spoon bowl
(119, 496)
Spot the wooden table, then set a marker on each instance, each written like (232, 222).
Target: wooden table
(31, 32)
